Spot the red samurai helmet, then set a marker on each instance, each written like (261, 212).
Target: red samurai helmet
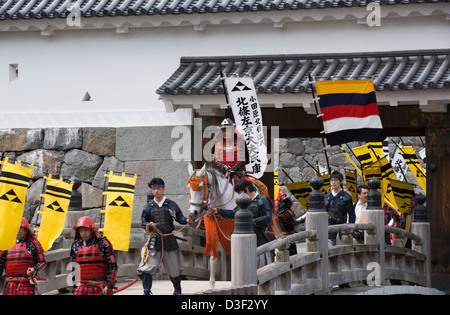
(85, 222)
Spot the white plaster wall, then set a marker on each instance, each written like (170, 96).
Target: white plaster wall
(121, 72)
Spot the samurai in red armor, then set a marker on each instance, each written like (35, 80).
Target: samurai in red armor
(22, 262)
(96, 267)
(230, 154)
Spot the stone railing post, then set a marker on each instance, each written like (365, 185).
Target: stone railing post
(375, 214)
(421, 227)
(317, 219)
(243, 245)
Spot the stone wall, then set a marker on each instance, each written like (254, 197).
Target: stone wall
(86, 153)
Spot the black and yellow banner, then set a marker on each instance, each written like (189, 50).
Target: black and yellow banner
(414, 166)
(366, 155)
(383, 171)
(376, 148)
(14, 181)
(56, 204)
(403, 192)
(118, 210)
(276, 185)
(301, 192)
(326, 182)
(352, 162)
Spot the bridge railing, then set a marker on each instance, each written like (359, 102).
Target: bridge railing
(323, 267)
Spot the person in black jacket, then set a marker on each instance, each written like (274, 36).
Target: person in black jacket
(261, 208)
(158, 215)
(338, 205)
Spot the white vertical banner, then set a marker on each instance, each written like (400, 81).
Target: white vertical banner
(247, 116)
(399, 165)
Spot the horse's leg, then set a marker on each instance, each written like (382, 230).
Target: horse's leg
(212, 276)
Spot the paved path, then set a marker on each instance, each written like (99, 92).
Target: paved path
(164, 287)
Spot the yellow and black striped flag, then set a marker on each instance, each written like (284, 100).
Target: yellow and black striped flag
(351, 162)
(276, 185)
(14, 181)
(414, 166)
(56, 203)
(376, 148)
(403, 192)
(326, 182)
(383, 171)
(118, 210)
(301, 192)
(365, 155)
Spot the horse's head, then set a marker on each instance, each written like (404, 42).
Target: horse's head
(198, 190)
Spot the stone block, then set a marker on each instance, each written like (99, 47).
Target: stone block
(63, 138)
(92, 197)
(175, 175)
(283, 145)
(313, 145)
(21, 139)
(139, 203)
(100, 141)
(295, 146)
(340, 160)
(287, 160)
(110, 163)
(44, 160)
(35, 191)
(145, 170)
(144, 143)
(81, 164)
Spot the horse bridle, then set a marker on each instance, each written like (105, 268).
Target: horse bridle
(194, 182)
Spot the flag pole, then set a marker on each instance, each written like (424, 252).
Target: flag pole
(353, 153)
(310, 165)
(40, 201)
(100, 228)
(222, 78)
(321, 128)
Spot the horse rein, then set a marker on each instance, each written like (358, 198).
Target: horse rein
(194, 183)
(147, 230)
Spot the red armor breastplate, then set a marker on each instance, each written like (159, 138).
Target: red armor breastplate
(91, 264)
(18, 260)
(230, 155)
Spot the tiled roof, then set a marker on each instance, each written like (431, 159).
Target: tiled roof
(289, 73)
(41, 9)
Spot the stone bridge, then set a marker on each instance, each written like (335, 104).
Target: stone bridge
(368, 266)
(371, 266)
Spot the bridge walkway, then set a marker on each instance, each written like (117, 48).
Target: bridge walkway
(163, 287)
